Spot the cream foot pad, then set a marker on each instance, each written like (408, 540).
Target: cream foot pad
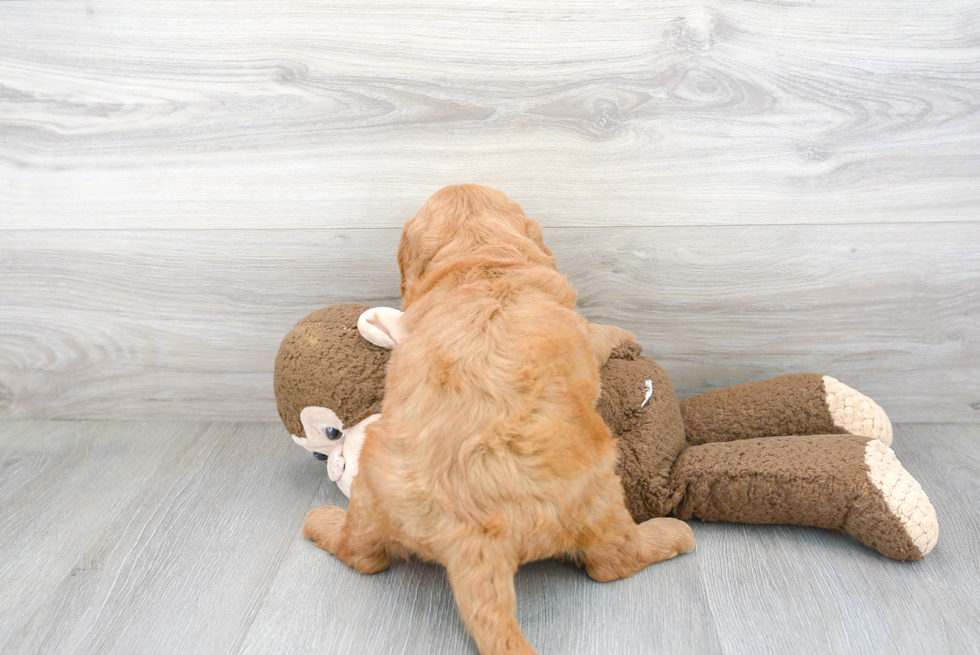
(851, 410)
(903, 496)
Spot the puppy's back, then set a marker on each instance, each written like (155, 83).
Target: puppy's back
(489, 415)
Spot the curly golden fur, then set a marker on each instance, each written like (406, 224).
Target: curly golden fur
(489, 452)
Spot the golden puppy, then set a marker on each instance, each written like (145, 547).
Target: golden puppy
(489, 452)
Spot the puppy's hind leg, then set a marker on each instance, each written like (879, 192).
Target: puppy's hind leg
(357, 537)
(482, 578)
(616, 548)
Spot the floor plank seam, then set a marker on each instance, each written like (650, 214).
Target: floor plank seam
(708, 603)
(145, 543)
(747, 588)
(283, 556)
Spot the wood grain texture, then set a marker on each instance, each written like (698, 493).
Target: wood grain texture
(181, 324)
(187, 540)
(61, 485)
(835, 606)
(168, 324)
(312, 604)
(753, 187)
(304, 114)
(183, 556)
(946, 461)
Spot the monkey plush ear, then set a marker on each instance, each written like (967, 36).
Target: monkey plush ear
(382, 326)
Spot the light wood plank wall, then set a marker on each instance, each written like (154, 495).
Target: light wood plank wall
(753, 188)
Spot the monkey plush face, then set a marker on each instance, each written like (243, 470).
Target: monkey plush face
(329, 382)
(325, 362)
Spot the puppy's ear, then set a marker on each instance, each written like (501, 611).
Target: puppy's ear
(410, 261)
(532, 230)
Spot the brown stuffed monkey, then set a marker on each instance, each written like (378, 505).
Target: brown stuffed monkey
(796, 449)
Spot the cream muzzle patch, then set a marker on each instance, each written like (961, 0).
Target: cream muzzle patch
(342, 453)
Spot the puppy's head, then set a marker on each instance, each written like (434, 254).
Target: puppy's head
(459, 219)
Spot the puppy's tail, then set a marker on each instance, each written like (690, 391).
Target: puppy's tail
(482, 577)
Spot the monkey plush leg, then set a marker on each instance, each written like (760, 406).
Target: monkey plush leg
(802, 404)
(838, 481)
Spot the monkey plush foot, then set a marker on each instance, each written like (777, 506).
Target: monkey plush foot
(855, 412)
(835, 481)
(896, 518)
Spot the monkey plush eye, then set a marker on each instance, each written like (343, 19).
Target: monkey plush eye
(332, 433)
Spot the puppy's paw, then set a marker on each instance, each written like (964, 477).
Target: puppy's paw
(323, 525)
(619, 336)
(667, 537)
(607, 338)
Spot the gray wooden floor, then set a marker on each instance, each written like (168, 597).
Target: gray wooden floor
(126, 537)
